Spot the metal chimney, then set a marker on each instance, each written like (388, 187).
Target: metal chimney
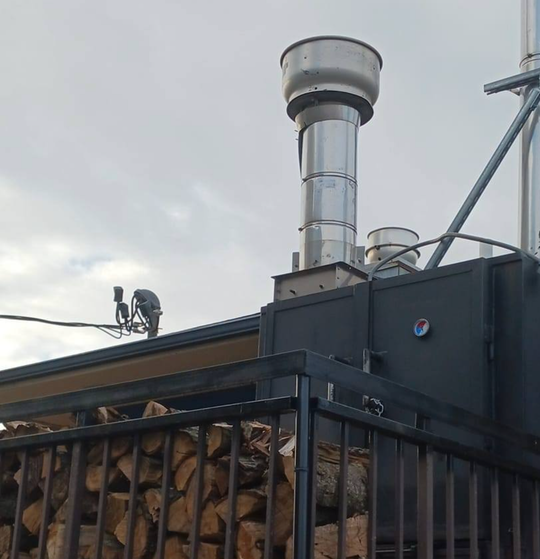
(330, 84)
(529, 192)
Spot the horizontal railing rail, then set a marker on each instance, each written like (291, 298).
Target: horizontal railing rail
(249, 372)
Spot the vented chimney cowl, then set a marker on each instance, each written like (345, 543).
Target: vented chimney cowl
(330, 84)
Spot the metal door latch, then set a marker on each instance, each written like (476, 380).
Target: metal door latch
(373, 406)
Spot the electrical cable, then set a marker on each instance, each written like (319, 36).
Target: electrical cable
(115, 331)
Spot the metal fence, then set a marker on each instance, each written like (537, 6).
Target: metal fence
(512, 480)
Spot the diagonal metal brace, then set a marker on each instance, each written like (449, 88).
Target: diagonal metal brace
(528, 107)
(513, 82)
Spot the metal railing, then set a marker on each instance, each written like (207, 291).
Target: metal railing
(423, 463)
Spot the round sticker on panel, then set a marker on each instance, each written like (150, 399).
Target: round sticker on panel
(421, 327)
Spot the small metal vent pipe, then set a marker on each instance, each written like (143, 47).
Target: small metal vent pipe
(529, 192)
(330, 84)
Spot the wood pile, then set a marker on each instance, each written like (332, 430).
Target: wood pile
(250, 506)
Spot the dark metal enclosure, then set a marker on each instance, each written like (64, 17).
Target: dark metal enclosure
(481, 354)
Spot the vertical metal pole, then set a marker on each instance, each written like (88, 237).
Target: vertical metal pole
(450, 509)
(77, 478)
(529, 191)
(46, 510)
(301, 476)
(495, 516)
(425, 496)
(230, 528)
(399, 532)
(272, 482)
(373, 480)
(473, 510)
(165, 495)
(342, 483)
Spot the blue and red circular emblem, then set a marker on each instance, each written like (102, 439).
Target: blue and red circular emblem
(421, 327)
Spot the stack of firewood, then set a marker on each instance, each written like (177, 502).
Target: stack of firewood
(250, 506)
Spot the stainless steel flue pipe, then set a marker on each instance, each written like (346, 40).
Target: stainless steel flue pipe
(330, 84)
(529, 192)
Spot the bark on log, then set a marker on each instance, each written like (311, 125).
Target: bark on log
(8, 505)
(326, 539)
(327, 494)
(250, 472)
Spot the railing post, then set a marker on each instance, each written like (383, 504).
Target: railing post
(302, 492)
(77, 478)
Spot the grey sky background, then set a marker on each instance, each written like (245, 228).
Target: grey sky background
(146, 144)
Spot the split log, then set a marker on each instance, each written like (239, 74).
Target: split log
(150, 469)
(184, 473)
(212, 526)
(152, 498)
(152, 443)
(23, 428)
(143, 540)
(207, 551)
(60, 486)
(185, 445)
(111, 549)
(108, 415)
(58, 464)
(88, 504)
(56, 537)
(174, 548)
(178, 520)
(219, 440)
(250, 472)
(248, 502)
(326, 539)
(250, 540)
(119, 447)
(283, 519)
(6, 533)
(32, 516)
(94, 475)
(209, 488)
(117, 505)
(35, 469)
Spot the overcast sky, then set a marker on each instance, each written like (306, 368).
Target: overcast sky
(146, 144)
